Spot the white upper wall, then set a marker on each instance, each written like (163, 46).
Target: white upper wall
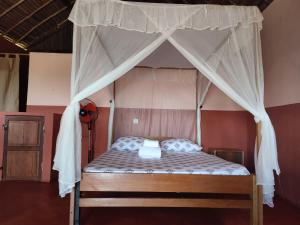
(281, 52)
(49, 81)
(49, 84)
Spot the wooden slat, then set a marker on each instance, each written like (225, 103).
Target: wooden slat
(22, 165)
(164, 202)
(23, 148)
(41, 23)
(48, 33)
(11, 8)
(166, 183)
(23, 133)
(28, 16)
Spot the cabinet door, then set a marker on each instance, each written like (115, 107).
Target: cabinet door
(23, 144)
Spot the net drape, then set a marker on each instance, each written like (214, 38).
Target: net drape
(9, 84)
(236, 68)
(111, 37)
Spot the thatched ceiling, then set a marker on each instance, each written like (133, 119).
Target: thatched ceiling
(42, 25)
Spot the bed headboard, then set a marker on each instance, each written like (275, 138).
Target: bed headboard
(158, 123)
(156, 103)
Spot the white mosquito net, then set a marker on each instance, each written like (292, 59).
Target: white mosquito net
(222, 42)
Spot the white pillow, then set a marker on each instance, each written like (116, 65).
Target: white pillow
(180, 145)
(128, 143)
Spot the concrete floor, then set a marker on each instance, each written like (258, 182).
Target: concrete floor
(33, 203)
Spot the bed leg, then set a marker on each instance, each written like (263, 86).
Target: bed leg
(74, 205)
(256, 211)
(260, 206)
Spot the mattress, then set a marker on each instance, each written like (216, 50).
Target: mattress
(115, 161)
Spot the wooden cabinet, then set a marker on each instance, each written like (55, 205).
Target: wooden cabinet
(232, 155)
(23, 144)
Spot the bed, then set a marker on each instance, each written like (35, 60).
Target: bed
(122, 179)
(221, 42)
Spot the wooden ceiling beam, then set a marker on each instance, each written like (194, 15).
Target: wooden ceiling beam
(42, 22)
(11, 8)
(47, 34)
(28, 16)
(67, 3)
(264, 4)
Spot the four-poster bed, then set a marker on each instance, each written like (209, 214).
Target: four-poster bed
(223, 42)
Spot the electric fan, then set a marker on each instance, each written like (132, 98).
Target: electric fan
(88, 114)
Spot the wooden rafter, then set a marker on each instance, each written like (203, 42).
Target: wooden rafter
(28, 16)
(42, 22)
(11, 8)
(67, 3)
(263, 5)
(13, 41)
(48, 33)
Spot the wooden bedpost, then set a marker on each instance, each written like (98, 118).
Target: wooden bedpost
(71, 217)
(256, 211)
(257, 198)
(258, 135)
(74, 205)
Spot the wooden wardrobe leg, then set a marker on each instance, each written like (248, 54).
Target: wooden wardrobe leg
(74, 205)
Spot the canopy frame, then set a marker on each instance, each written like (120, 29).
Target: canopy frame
(233, 64)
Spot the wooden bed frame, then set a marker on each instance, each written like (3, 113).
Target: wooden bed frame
(236, 186)
(242, 191)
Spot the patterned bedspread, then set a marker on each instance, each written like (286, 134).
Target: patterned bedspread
(115, 161)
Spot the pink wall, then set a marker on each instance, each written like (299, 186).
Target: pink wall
(217, 100)
(281, 55)
(229, 129)
(286, 121)
(281, 52)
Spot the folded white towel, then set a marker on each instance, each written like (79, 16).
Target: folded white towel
(149, 152)
(151, 143)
